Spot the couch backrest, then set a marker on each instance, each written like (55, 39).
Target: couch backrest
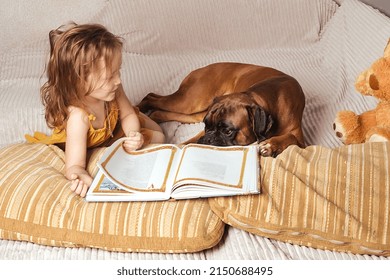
(171, 26)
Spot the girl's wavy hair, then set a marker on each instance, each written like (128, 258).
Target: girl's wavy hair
(75, 51)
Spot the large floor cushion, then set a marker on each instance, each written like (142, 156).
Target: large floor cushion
(37, 205)
(335, 199)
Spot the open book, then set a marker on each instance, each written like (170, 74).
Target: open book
(168, 171)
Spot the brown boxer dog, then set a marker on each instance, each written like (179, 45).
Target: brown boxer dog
(239, 105)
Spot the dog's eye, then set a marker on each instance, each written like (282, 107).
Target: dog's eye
(228, 132)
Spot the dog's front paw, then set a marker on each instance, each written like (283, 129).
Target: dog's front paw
(265, 149)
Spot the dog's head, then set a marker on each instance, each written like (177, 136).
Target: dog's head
(235, 119)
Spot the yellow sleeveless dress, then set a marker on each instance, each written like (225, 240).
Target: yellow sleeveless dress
(104, 136)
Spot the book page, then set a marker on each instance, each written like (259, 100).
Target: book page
(143, 170)
(212, 165)
(134, 171)
(103, 189)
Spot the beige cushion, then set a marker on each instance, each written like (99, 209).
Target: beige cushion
(335, 199)
(37, 205)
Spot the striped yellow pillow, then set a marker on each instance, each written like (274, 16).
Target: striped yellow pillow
(336, 199)
(37, 205)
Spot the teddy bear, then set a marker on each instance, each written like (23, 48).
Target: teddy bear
(372, 125)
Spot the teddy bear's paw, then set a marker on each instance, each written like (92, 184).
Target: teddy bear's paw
(339, 130)
(377, 138)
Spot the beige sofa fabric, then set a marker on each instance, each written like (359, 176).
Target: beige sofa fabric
(333, 199)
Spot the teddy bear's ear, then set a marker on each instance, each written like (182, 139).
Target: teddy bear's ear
(387, 50)
(373, 82)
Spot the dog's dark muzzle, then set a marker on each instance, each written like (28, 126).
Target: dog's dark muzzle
(216, 139)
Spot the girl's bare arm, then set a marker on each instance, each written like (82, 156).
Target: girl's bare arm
(76, 151)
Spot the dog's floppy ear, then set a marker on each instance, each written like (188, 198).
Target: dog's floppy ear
(261, 122)
(210, 113)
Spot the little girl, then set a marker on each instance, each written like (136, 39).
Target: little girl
(84, 101)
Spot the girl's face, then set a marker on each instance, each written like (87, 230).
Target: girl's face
(104, 83)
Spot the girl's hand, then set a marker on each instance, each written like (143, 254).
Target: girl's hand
(80, 183)
(134, 141)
